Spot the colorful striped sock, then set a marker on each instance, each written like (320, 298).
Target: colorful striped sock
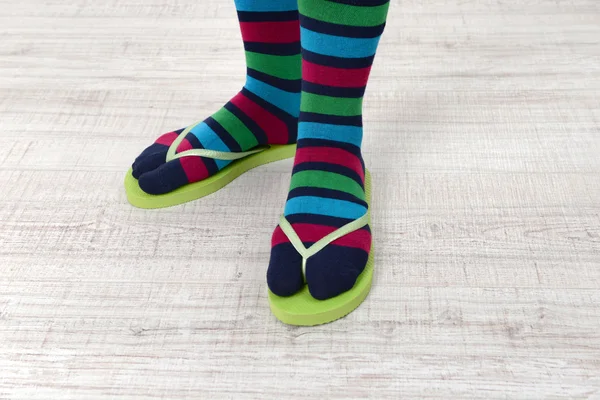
(264, 112)
(339, 39)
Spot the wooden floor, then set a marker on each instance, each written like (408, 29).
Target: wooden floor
(483, 136)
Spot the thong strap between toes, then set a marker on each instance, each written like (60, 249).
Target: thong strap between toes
(306, 253)
(206, 153)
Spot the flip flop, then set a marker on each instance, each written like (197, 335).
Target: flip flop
(303, 309)
(242, 162)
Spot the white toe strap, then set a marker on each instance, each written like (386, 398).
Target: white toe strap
(215, 155)
(289, 231)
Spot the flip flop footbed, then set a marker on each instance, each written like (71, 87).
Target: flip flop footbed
(304, 310)
(193, 191)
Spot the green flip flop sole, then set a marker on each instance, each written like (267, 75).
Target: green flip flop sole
(304, 310)
(138, 198)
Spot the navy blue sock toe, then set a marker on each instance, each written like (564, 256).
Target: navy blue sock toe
(151, 158)
(334, 270)
(284, 275)
(164, 179)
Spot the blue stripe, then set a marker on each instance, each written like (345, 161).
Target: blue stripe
(338, 46)
(324, 193)
(338, 133)
(324, 206)
(287, 101)
(266, 5)
(210, 140)
(289, 85)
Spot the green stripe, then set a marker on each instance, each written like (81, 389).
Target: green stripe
(340, 106)
(285, 67)
(327, 180)
(236, 129)
(343, 14)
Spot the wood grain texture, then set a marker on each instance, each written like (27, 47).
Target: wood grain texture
(483, 136)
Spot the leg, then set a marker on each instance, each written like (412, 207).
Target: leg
(339, 39)
(264, 112)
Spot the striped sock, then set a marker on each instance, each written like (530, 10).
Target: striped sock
(264, 112)
(339, 39)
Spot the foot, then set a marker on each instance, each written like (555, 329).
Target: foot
(264, 112)
(247, 121)
(339, 41)
(326, 192)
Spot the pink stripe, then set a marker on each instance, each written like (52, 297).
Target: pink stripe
(278, 237)
(184, 146)
(194, 168)
(167, 138)
(271, 32)
(330, 76)
(360, 239)
(331, 155)
(275, 129)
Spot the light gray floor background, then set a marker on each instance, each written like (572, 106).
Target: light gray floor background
(483, 136)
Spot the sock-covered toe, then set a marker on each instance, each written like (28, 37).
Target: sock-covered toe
(334, 270)
(284, 275)
(150, 159)
(164, 179)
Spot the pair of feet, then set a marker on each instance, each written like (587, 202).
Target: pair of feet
(327, 190)
(308, 63)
